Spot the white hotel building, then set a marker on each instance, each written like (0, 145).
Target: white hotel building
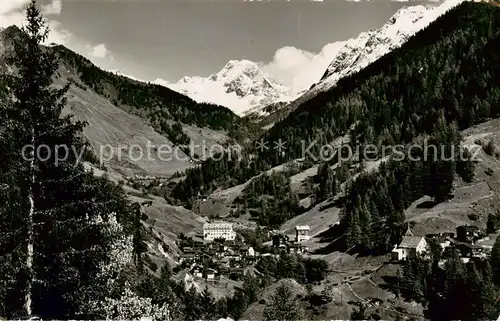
(218, 230)
(301, 233)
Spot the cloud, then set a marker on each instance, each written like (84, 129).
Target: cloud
(10, 12)
(100, 51)
(53, 8)
(298, 68)
(13, 13)
(11, 6)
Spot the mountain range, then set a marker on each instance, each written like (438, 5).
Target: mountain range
(240, 85)
(246, 89)
(425, 76)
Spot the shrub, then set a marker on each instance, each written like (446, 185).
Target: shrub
(490, 148)
(473, 217)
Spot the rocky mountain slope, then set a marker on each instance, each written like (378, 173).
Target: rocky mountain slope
(244, 88)
(126, 116)
(357, 53)
(240, 86)
(369, 46)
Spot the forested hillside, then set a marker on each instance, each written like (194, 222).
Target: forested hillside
(448, 72)
(158, 103)
(71, 244)
(445, 79)
(449, 68)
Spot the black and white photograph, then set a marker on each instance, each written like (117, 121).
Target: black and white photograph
(239, 160)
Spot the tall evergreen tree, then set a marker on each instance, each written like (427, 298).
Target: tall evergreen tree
(140, 246)
(481, 294)
(193, 309)
(327, 182)
(455, 288)
(495, 261)
(466, 166)
(55, 242)
(353, 229)
(283, 305)
(207, 303)
(237, 304)
(251, 287)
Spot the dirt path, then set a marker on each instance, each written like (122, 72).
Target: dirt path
(383, 308)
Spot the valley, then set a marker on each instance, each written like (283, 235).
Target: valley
(269, 233)
(470, 203)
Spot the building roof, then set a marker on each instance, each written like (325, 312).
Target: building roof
(218, 224)
(297, 245)
(468, 227)
(187, 255)
(467, 245)
(236, 270)
(302, 227)
(410, 241)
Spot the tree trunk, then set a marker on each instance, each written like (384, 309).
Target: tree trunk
(29, 257)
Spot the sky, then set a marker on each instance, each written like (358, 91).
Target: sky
(166, 40)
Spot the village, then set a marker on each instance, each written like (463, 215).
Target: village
(219, 251)
(472, 242)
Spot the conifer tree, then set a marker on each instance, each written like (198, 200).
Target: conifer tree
(192, 307)
(466, 166)
(207, 303)
(488, 295)
(495, 261)
(445, 141)
(237, 304)
(283, 305)
(55, 243)
(327, 185)
(474, 295)
(165, 293)
(353, 231)
(140, 246)
(251, 287)
(481, 294)
(365, 226)
(455, 288)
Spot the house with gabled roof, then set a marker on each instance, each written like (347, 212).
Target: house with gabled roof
(410, 247)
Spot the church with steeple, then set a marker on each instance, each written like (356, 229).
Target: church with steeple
(410, 247)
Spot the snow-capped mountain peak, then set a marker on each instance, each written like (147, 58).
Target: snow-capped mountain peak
(359, 52)
(243, 87)
(354, 54)
(235, 67)
(407, 14)
(240, 85)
